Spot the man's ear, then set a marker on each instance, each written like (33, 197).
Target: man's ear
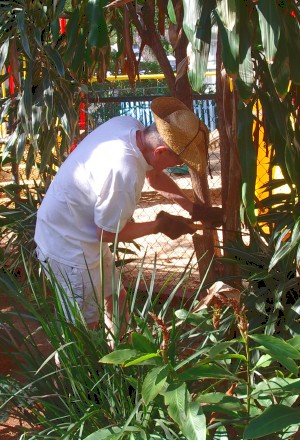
(160, 149)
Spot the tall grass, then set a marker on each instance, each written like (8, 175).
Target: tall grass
(180, 371)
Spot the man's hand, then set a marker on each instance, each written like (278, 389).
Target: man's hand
(174, 225)
(208, 214)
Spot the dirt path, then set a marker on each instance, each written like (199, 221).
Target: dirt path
(12, 427)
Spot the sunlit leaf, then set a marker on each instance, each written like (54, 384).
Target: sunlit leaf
(187, 415)
(171, 12)
(270, 27)
(3, 53)
(154, 382)
(119, 356)
(225, 14)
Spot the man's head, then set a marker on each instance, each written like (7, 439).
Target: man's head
(182, 131)
(155, 150)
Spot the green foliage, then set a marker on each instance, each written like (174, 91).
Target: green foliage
(260, 43)
(50, 72)
(17, 224)
(268, 259)
(178, 373)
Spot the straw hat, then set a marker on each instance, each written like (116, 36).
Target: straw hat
(182, 131)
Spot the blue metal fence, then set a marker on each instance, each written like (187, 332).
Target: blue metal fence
(140, 109)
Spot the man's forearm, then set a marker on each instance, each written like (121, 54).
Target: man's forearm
(131, 231)
(166, 186)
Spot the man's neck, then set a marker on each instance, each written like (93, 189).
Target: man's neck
(140, 141)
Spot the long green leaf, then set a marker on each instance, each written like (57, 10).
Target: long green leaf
(292, 32)
(276, 386)
(199, 46)
(171, 12)
(154, 383)
(197, 66)
(292, 159)
(98, 33)
(286, 248)
(226, 16)
(187, 415)
(20, 16)
(56, 59)
(273, 419)
(280, 68)
(72, 30)
(208, 371)
(277, 346)
(3, 53)
(119, 356)
(270, 27)
(142, 343)
(247, 159)
(192, 12)
(245, 79)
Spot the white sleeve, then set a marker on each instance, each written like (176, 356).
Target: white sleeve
(114, 211)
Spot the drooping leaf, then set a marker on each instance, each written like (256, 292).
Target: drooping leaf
(247, 158)
(56, 59)
(226, 17)
(3, 53)
(98, 33)
(20, 17)
(292, 32)
(48, 96)
(48, 141)
(270, 27)
(196, 67)
(80, 55)
(20, 146)
(244, 81)
(280, 68)
(292, 159)
(72, 31)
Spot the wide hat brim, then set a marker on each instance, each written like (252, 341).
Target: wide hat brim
(182, 131)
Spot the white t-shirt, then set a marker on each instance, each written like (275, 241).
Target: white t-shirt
(99, 184)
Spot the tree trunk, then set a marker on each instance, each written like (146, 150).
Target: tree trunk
(230, 164)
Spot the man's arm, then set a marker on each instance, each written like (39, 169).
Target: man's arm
(131, 231)
(165, 185)
(171, 225)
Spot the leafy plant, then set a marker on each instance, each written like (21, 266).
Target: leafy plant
(182, 371)
(17, 224)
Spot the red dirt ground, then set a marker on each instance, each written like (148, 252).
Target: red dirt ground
(12, 427)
